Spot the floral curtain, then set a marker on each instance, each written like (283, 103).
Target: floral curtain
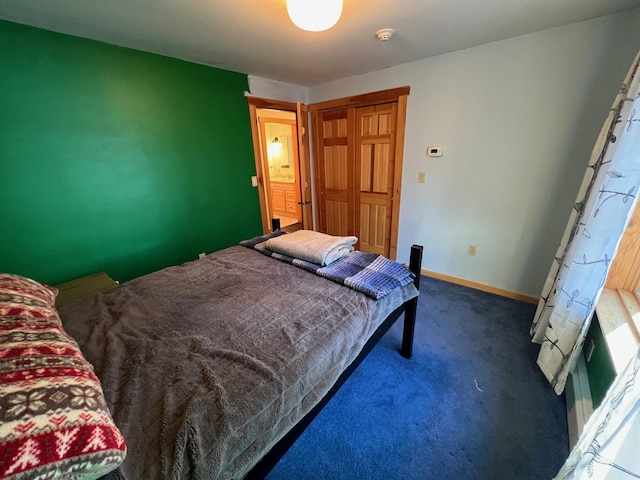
(604, 205)
(608, 446)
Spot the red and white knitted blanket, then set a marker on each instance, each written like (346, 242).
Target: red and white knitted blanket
(54, 421)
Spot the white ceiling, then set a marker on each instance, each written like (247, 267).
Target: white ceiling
(256, 37)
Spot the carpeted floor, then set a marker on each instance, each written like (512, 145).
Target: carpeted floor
(470, 404)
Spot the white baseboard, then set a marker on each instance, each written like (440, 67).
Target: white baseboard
(579, 403)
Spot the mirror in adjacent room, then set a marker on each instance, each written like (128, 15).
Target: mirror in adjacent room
(279, 139)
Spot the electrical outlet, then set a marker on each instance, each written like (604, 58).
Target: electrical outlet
(473, 248)
(421, 177)
(202, 255)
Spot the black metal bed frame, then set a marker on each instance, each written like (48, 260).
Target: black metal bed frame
(409, 308)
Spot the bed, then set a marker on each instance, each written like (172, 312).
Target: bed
(213, 368)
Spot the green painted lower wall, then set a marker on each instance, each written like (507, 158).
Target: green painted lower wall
(600, 369)
(117, 160)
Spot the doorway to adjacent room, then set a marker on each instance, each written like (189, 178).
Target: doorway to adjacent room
(279, 148)
(282, 163)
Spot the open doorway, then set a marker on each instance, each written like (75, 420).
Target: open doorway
(281, 151)
(280, 161)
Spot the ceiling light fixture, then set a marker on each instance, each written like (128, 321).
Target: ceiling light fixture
(314, 15)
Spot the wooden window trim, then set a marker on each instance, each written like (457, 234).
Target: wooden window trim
(618, 309)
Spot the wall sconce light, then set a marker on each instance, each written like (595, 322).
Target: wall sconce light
(314, 15)
(275, 148)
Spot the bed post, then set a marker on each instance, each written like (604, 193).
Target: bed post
(415, 262)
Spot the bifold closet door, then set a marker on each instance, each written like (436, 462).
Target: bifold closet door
(375, 163)
(355, 173)
(335, 172)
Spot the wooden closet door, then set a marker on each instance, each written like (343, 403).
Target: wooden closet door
(375, 162)
(358, 146)
(335, 172)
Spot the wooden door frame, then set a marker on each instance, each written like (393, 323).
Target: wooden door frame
(301, 111)
(398, 95)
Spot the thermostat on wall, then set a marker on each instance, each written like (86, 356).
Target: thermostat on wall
(434, 151)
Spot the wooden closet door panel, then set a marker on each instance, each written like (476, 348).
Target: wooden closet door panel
(334, 128)
(335, 173)
(337, 218)
(382, 168)
(336, 191)
(375, 169)
(374, 215)
(336, 167)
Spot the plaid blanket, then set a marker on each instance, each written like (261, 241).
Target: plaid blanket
(372, 274)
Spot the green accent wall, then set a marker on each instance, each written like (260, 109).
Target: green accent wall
(117, 160)
(600, 369)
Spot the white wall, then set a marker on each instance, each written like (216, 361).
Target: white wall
(517, 119)
(275, 90)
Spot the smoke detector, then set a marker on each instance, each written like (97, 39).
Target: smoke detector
(385, 34)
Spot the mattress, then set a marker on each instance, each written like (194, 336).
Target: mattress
(206, 365)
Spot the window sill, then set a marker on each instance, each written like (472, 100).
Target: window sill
(619, 314)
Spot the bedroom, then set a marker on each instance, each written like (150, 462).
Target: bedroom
(81, 193)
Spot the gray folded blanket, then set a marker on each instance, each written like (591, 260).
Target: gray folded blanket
(314, 247)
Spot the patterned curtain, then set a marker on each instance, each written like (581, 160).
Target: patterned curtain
(608, 446)
(599, 217)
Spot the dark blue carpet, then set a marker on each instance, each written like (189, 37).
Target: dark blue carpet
(470, 404)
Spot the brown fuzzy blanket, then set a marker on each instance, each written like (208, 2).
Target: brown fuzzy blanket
(206, 365)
